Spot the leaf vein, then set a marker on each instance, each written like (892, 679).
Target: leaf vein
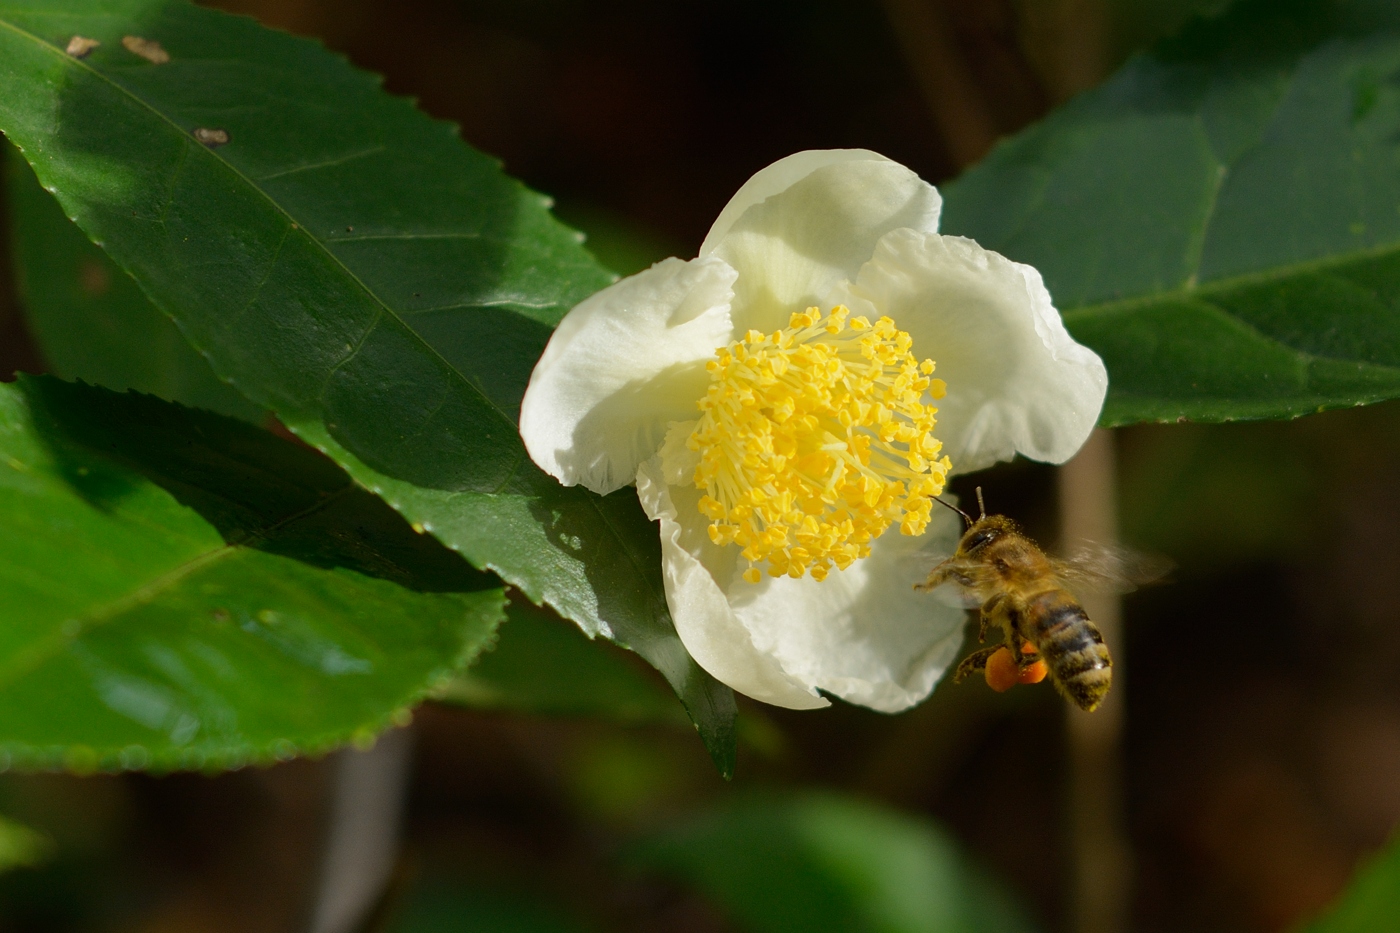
(70, 61)
(329, 163)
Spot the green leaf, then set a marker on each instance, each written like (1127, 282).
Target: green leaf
(90, 319)
(441, 907)
(350, 265)
(818, 862)
(543, 665)
(21, 847)
(183, 590)
(1221, 219)
(1371, 902)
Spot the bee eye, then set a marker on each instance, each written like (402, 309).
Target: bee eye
(975, 541)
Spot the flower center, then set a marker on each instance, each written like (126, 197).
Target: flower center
(815, 439)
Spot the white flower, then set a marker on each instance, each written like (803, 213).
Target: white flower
(697, 381)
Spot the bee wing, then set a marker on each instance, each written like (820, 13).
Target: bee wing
(955, 594)
(1111, 569)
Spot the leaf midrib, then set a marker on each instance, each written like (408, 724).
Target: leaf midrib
(509, 422)
(74, 627)
(295, 223)
(1209, 291)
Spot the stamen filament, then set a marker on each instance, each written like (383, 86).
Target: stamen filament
(815, 439)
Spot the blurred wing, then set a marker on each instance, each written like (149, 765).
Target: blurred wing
(969, 595)
(1106, 569)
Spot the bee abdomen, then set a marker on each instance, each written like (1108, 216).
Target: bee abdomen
(1073, 649)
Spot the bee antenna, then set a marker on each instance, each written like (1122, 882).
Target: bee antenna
(980, 504)
(966, 518)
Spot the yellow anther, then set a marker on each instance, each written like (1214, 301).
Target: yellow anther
(814, 440)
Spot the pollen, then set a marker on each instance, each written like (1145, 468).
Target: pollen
(814, 439)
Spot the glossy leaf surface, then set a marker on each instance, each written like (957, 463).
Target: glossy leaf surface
(180, 589)
(349, 264)
(1221, 219)
(90, 319)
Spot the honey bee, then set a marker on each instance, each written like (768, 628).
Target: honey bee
(1023, 592)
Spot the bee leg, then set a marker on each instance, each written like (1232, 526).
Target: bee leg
(950, 569)
(977, 661)
(988, 616)
(936, 577)
(1025, 660)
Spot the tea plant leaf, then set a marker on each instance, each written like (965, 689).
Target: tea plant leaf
(22, 847)
(1221, 219)
(350, 265)
(544, 666)
(820, 862)
(1370, 902)
(90, 319)
(183, 590)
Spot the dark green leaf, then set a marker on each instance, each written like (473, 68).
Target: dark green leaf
(819, 862)
(543, 665)
(180, 589)
(90, 319)
(21, 847)
(1221, 219)
(349, 264)
(481, 908)
(1370, 903)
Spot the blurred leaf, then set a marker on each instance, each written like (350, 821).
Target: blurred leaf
(819, 862)
(621, 244)
(349, 264)
(1370, 903)
(1221, 219)
(1213, 497)
(180, 589)
(542, 665)
(21, 847)
(444, 908)
(90, 319)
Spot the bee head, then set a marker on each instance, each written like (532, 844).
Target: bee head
(983, 532)
(968, 520)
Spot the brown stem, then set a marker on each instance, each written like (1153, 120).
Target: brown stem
(1101, 856)
(362, 845)
(943, 77)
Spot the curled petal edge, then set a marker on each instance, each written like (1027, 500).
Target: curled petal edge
(623, 365)
(1017, 381)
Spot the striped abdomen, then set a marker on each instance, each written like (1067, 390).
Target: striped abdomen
(1071, 645)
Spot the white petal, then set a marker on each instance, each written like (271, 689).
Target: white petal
(620, 367)
(1017, 382)
(792, 247)
(775, 179)
(863, 633)
(707, 626)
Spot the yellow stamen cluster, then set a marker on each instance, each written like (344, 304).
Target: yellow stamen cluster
(816, 438)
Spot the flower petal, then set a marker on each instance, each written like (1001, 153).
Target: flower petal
(1017, 382)
(622, 366)
(775, 179)
(863, 633)
(792, 246)
(707, 625)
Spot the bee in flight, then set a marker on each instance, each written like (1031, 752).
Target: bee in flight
(1022, 592)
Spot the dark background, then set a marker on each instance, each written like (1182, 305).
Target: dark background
(1263, 740)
